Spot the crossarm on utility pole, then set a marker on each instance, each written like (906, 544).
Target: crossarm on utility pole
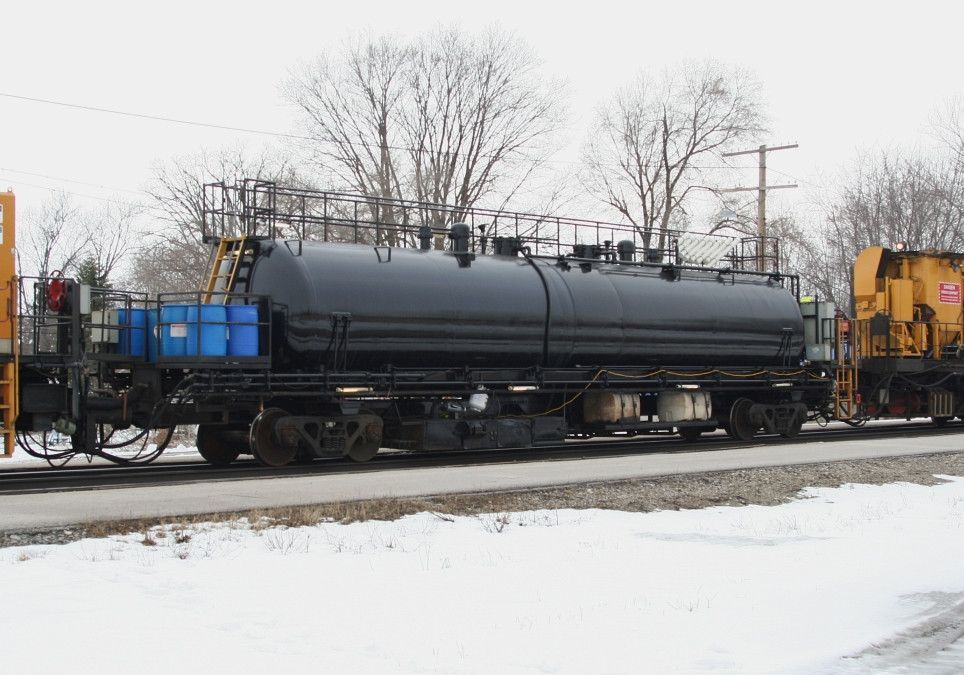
(761, 206)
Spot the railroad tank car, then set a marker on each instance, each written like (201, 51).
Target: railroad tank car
(464, 346)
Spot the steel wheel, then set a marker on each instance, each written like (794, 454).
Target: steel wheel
(216, 445)
(264, 444)
(367, 442)
(362, 451)
(742, 426)
(794, 427)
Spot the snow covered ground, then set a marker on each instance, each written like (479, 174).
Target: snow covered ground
(796, 588)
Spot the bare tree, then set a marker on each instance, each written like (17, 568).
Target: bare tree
(886, 197)
(948, 128)
(481, 117)
(350, 105)
(448, 118)
(172, 257)
(111, 236)
(52, 238)
(643, 156)
(947, 125)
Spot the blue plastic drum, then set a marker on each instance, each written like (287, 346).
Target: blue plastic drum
(131, 336)
(242, 330)
(213, 337)
(174, 330)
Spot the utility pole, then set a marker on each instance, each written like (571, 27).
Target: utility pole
(761, 200)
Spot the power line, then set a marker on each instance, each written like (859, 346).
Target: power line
(107, 200)
(70, 180)
(158, 118)
(155, 118)
(223, 127)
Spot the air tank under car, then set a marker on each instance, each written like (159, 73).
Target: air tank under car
(412, 308)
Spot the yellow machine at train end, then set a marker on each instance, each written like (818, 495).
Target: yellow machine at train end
(906, 342)
(910, 303)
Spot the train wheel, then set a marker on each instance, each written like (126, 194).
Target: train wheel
(218, 445)
(793, 429)
(368, 438)
(362, 451)
(263, 441)
(940, 421)
(741, 425)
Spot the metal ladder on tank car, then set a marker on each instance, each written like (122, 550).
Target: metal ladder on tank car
(845, 371)
(224, 268)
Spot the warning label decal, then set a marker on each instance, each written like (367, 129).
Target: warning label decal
(948, 293)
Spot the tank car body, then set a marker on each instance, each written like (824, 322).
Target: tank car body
(408, 308)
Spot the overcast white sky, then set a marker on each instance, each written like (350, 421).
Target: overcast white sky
(837, 76)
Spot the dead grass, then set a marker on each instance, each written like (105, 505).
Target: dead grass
(311, 515)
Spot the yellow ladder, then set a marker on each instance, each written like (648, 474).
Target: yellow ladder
(9, 405)
(9, 333)
(845, 372)
(224, 268)
(9, 367)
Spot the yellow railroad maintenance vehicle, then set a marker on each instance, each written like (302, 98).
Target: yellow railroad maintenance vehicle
(903, 353)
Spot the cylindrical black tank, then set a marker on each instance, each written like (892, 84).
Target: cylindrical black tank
(432, 309)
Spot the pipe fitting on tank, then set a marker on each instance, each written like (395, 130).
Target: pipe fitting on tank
(460, 234)
(507, 246)
(425, 237)
(626, 250)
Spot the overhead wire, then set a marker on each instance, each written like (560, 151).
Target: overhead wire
(156, 118)
(224, 127)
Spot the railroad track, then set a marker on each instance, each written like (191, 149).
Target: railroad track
(25, 479)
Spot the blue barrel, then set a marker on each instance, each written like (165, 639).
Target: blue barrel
(213, 337)
(152, 335)
(174, 330)
(131, 336)
(242, 330)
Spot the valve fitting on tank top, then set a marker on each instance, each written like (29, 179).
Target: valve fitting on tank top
(460, 234)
